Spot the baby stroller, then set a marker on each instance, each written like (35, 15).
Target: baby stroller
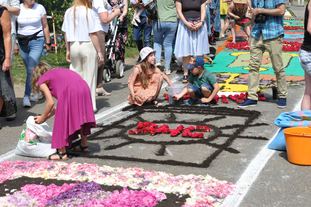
(114, 59)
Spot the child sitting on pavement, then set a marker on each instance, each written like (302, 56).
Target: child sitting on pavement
(239, 14)
(202, 84)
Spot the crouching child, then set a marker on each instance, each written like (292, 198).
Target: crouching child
(202, 84)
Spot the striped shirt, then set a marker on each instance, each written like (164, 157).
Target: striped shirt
(273, 26)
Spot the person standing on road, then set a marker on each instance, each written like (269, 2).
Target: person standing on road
(83, 50)
(305, 59)
(192, 33)
(142, 29)
(105, 13)
(13, 8)
(32, 33)
(267, 35)
(164, 30)
(7, 95)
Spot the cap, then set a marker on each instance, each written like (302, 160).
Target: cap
(199, 62)
(145, 52)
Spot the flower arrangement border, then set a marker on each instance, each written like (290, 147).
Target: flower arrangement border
(220, 112)
(198, 190)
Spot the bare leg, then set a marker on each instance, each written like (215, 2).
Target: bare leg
(83, 139)
(248, 32)
(206, 93)
(306, 100)
(100, 87)
(100, 76)
(185, 60)
(233, 34)
(222, 31)
(192, 94)
(225, 27)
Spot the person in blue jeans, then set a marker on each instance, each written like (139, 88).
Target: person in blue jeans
(143, 27)
(202, 84)
(164, 31)
(32, 34)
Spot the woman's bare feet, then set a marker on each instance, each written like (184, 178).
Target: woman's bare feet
(102, 92)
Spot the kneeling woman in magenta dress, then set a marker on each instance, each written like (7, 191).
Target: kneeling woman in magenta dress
(146, 80)
(74, 112)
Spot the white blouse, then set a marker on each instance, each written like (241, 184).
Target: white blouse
(78, 29)
(100, 6)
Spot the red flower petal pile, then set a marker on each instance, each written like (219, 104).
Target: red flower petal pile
(153, 129)
(239, 98)
(238, 46)
(291, 46)
(286, 27)
(287, 46)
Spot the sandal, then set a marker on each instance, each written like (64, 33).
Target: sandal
(60, 156)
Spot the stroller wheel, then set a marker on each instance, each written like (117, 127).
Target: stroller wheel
(107, 75)
(120, 68)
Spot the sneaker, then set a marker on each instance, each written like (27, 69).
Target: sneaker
(281, 103)
(185, 79)
(247, 103)
(26, 102)
(167, 71)
(36, 97)
(11, 117)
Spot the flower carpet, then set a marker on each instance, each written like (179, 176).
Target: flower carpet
(45, 183)
(231, 64)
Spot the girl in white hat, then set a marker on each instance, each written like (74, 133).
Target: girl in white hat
(146, 80)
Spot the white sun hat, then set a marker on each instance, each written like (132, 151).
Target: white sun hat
(145, 52)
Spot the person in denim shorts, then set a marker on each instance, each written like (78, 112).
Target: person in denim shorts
(305, 60)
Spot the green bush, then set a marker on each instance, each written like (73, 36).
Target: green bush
(58, 9)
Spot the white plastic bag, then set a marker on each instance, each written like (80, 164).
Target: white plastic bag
(35, 140)
(43, 131)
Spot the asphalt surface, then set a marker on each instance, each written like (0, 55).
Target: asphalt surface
(279, 183)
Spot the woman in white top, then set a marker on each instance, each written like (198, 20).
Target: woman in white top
(32, 32)
(82, 42)
(105, 14)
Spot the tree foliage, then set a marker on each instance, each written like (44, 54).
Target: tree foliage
(58, 8)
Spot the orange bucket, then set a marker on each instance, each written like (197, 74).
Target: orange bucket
(298, 145)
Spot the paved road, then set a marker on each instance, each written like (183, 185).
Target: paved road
(276, 182)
